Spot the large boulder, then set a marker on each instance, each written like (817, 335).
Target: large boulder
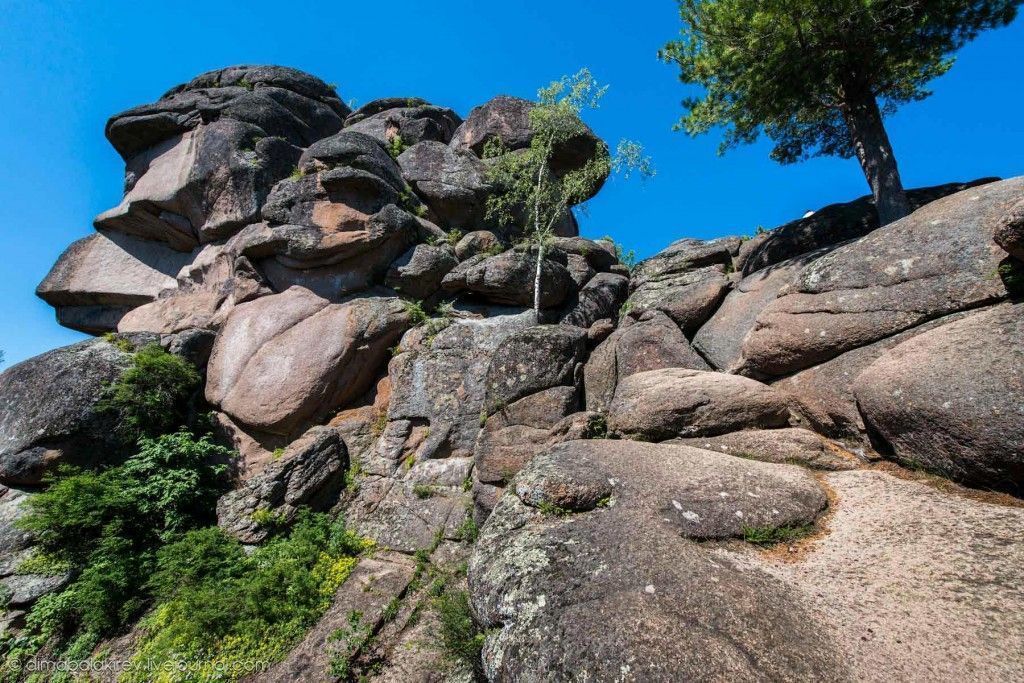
(418, 272)
(600, 298)
(201, 160)
(687, 281)
(282, 101)
(614, 572)
(822, 395)
(283, 361)
(99, 278)
(532, 360)
(675, 402)
(651, 343)
(439, 381)
(939, 260)
(200, 186)
(1010, 231)
(403, 122)
(508, 119)
(50, 413)
(830, 226)
(310, 473)
(720, 339)
(951, 400)
(793, 446)
(452, 183)
(508, 278)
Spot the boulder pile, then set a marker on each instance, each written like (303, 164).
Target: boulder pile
(336, 278)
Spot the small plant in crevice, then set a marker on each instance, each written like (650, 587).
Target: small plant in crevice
(461, 640)
(297, 174)
(396, 145)
(423, 491)
(552, 510)
(596, 427)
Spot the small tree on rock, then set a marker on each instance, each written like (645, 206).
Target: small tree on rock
(818, 77)
(528, 192)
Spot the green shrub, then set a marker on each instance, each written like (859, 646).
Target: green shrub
(220, 607)
(105, 527)
(152, 396)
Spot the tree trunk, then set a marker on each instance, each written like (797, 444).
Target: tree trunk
(536, 281)
(874, 151)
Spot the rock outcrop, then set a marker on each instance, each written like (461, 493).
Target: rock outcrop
(702, 468)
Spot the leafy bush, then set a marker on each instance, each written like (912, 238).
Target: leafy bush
(152, 396)
(105, 527)
(220, 607)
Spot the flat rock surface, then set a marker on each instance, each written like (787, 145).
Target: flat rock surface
(791, 445)
(919, 585)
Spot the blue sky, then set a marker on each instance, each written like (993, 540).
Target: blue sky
(66, 67)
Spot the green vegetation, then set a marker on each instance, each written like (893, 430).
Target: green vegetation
(768, 535)
(106, 528)
(297, 174)
(219, 607)
(811, 74)
(626, 258)
(468, 531)
(396, 145)
(460, 637)
(423, 491)
(152, 396)
(524, 180)
(597, 427)
(551, 509)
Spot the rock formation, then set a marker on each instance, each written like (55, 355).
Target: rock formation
(368, 346)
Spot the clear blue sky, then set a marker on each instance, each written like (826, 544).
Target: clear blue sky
(67, 66)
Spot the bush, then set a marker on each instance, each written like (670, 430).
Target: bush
(105, 527)
(220, 607)
(152, 396)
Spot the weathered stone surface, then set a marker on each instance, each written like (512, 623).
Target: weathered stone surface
(675, 402)
(508, 278)
(918, 584)
(600, 298)
(628, 595)
(597, 254)
(720, 339)
(830, 226)
(511, 436)
(418, 272)
(281, 101)
(939, 260)
(48, 410)
(951, 400)
(282, 361)
(202, 185)
(689, 298)
(101, 277)
(24, 589)
(1010, 231)
(410, 122)
(452, 183)
(478, 242)
(684, 256)
(652, 343)
(822, 395)
(441, 383)
(532, 360)
(310, 473)
(793, 446)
